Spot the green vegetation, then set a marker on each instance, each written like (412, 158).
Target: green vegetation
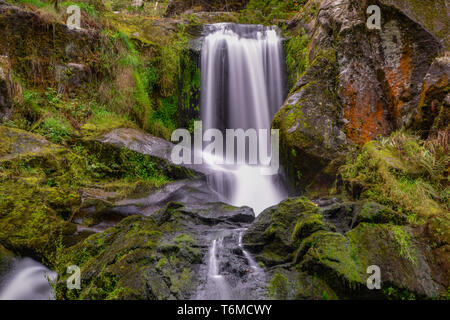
(269, 11)
(404, 173)
(297, 57)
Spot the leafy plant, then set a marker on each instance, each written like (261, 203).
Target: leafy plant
(55, 130)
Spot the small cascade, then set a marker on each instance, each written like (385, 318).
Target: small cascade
(28, 280)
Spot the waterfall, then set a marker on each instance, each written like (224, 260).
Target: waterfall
(29, 280)
(242, 88)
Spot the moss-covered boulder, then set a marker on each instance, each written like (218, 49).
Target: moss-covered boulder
(155, 257)
(276, 232)
(155, 149)
(297, 285)
(36, 192)
(45, 186)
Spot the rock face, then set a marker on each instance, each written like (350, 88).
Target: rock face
(6, 88)
(155, 257)
(36, 46)
(308, 244)
(434, 105)
(360, 83)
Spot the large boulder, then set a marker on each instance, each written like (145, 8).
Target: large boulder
(360, 83)
(157, 149)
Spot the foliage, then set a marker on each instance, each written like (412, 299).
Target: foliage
(55, 130)
(403, 172)
(297, 57)
(268, 11)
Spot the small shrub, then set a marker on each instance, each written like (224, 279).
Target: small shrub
(55, 130)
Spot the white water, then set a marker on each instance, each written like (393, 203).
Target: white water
(28, 280)
(221, 286)
(242, 88)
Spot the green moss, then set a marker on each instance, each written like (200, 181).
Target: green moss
(278, 287)
(406, 247)
(402, 173)
(307, 225)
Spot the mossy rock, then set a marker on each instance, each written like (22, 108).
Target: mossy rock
(311, 139)
(372, 212)
(342, 261)
(296, 285)
(133, 260)
(275, 232)
(402, 255)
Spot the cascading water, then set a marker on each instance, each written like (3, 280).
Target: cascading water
(242, 88)
(28, 280)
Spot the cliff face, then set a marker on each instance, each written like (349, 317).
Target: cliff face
(360, 83)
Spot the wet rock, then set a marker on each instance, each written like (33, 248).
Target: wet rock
(340, 215)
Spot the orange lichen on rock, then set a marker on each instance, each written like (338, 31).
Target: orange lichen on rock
(365, 113)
